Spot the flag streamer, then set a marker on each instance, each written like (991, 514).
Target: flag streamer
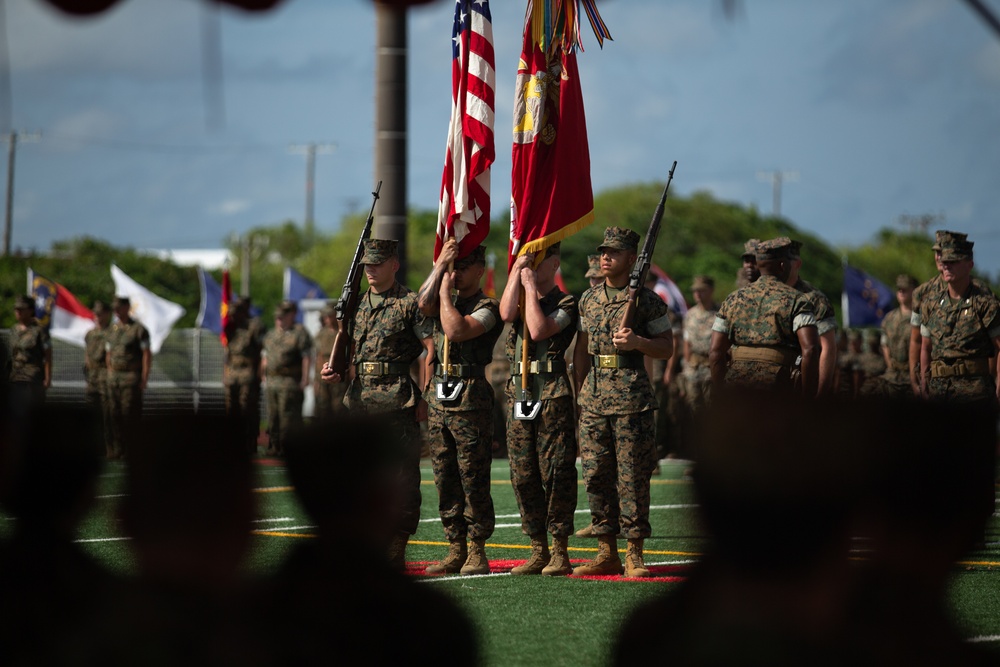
(555, 24)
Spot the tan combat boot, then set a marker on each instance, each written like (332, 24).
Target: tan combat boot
(397, 552)
(559, 563)
(607, 561)
(539, 557)
(452, 563)
(586, 531)
(634, 567)
(477, 562)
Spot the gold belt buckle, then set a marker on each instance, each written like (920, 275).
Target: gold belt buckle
(607, 361)
(454, 369)
(369, 367)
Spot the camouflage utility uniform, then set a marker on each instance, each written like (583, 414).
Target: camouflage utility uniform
(387, 331)
(28, 347)
(329, 396)
(126, 345)
(542, 451)
(962, 334)
(284, 351)
(460, 432)
(698, 335)
(241, 376)
(896, 338)
(96, 372)
(869, 368)
(761, 321)
(616, 399)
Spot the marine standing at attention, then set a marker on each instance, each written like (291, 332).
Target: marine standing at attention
(542, 450)
(241, 370)
(130, 360)
(95, 366)
(285, 370)
(617, 442)
(30, 356)
(388, 333)
(460, 423)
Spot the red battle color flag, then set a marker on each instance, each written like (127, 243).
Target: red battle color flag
(464, 212)
(551, 193)
(227, 297)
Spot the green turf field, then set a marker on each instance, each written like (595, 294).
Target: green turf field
(532, 620)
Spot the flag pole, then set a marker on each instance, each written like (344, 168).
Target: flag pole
(845, 302)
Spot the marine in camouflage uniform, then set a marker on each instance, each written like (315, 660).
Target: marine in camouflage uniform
(767, 325)
(826, 322)
(130, 360)
(30, 357)
(960, 330)
(849, 348)
(285, 369)
(748, 272)
(670, 390)
(95, 367)
(328, 396)
(896, 341)
(869, 367)
(388, 333)
(593, 273)
(241, 372)
(617, 448)
(541, 451)
(460, 431)
(698, 341)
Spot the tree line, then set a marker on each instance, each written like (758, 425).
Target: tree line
(699, 235)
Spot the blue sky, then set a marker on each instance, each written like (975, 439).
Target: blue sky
(881, 107)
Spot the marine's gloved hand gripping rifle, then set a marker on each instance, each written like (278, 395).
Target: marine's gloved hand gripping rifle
(347, 305)
(638, 276)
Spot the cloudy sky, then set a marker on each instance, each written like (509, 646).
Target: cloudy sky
(875, 109)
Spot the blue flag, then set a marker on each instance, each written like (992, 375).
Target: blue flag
(865, 300)
(210, 313)
(298, 287)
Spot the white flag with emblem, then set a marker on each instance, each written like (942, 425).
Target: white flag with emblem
(155, 313)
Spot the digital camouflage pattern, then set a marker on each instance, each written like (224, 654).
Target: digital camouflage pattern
(125, 345)
(618, 456)
(672, 411)
(542, 451)
(476, 394)
(460, 432)
(766, 313)
(96, 372)
(27, 354)
(698, 335)
(896, 338)
(870, 367)
(243, 353)
(845, 374)
(388, 329)
(547, 385)
(95, 356)
(241, 376)
(826, 319)
(965, 329)
(329, 396)
(542, 455)
(284, 351)
(617, 419)
(618, 391)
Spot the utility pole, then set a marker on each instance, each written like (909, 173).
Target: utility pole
(12, 138)
(391, 139)
(310, 150)
(777, 178)
(918, 224)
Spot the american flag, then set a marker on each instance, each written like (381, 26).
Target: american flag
(464, 212)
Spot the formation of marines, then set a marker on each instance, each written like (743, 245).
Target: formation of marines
(611, 399)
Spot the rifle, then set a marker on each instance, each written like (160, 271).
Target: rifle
(347, 305)
(638, 276)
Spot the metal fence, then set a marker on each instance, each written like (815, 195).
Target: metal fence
(186, 373)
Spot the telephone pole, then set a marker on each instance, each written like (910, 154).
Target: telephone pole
(777, 178)
(310, 151)
(12, 138)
